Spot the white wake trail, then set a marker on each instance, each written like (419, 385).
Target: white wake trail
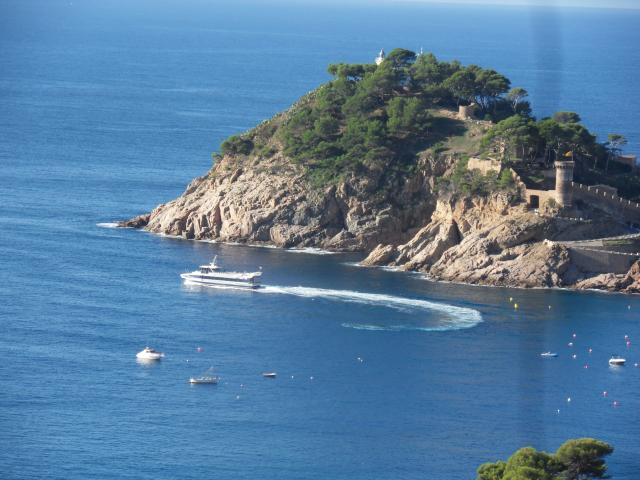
(452, 318)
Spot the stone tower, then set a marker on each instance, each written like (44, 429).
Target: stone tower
(564, 178)
(380, 57)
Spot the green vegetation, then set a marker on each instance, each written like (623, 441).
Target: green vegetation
(522, 138)
(379, 118)
(579, 459)
(237, 145)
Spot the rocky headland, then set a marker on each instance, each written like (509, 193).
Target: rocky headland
(411, 214)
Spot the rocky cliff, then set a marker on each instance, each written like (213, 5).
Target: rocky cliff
(269, 200)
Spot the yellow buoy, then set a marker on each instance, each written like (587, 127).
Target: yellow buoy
(515, 305)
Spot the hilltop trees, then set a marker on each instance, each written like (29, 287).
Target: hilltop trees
(516, 97)
(379, 115)
(579, 459)
(514, 137)
(614, 144)
(520, 137)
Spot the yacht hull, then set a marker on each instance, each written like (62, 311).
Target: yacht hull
(212, 282)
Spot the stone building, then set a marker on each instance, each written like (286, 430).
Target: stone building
(564, 183)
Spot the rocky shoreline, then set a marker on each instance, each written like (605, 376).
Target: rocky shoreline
(493, 240)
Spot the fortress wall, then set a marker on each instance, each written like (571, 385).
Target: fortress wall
(607, 201)
(599, 261)
(543, 196)
(522, 188)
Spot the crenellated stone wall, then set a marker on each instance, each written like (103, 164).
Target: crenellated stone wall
(604, 199)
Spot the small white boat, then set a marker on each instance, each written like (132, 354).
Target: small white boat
(149, 354)
(549, 354)
(206, 379)
(203, 380)
(617, 361)
(212, 274)
(269, 374)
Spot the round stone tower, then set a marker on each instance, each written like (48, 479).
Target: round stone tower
(564, 177)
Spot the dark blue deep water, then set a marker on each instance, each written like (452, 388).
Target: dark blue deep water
(109, 108)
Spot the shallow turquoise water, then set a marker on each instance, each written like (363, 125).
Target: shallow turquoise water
(107, 111)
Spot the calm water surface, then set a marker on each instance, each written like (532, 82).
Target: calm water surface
(106, 111)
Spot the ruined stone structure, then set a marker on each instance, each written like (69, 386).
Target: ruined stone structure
(485, 166)
(467, 112)
(629, 160)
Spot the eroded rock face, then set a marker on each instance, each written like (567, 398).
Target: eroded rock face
(272, 202)
(627, 283)
(482, 241)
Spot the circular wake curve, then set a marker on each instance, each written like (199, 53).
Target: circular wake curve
(452, 317)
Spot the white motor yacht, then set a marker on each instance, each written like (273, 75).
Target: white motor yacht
(549, 354)
(149, 354)
(617, 361)
(212, 274)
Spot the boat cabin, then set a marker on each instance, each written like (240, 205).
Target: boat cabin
(208, 268)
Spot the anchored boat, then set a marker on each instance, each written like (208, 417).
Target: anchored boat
(207, 378)
(549, 354)
(149, 354)
(213, 275)
(617, 361)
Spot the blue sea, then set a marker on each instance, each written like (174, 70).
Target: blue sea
(110, 108)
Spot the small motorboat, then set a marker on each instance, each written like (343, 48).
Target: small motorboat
(617, 361)
(149, 354)
(269, 374)
(203, 380)
(549, 354)
(206, 379)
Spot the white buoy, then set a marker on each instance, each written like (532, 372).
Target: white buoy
(568, 399)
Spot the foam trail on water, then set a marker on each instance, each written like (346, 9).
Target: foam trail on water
(453, 317)
(107, 225)
(310, 250)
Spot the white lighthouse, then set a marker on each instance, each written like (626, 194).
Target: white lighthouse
(380, 57)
